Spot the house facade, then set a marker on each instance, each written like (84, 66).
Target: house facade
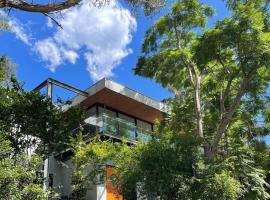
(113, 111)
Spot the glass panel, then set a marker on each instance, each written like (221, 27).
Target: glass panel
(110, 124)
(144, 125)
(91, 112)
(141, 136)
(122, 126)
(127, 126)
(90, 116)
(127, 118)
(110, 113)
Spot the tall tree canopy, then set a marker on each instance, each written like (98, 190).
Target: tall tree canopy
(219, 75)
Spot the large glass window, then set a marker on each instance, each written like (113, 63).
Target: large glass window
(90, 115)
(91, 123)
(144, 125)
(127, 119)
(119, 124)
(127, 126)
(144, 130)
(110, 113)
(109, 119)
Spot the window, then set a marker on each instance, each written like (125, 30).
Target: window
(144, 125)
(90, 116)
(90, 112)
(126, 118)
(127, 126)
(110, 124)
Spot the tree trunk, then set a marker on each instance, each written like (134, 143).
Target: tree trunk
(228, 116)
(197, 100)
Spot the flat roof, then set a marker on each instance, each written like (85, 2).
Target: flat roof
(122, 98)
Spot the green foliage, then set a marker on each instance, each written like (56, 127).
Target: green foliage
(89, 164)
(7, 71)
(163, 59)
(222, 186)
(18, 177)
(4, 25)
(171, 167)
(28, 121)
(3, 21)
(149, 7)
(32, 120)
(219, 75)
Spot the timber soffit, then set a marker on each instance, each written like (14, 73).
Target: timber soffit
(122, 90)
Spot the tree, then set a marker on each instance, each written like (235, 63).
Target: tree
(148, 6)
(19, 178)
(31, 126)
(171, 167)
(30, 119)
(223, 72)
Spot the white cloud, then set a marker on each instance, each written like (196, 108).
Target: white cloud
(102, 34)
(49, 52)
(17, 28)
(19, 31)
(55, 55)
(70, 55)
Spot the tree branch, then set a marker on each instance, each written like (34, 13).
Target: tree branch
(41, 8)
(195, 80)
(229, 114)
(54, 20)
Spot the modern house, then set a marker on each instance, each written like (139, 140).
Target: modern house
(113, 111)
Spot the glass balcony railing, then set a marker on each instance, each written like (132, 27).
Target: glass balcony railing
(116, 127)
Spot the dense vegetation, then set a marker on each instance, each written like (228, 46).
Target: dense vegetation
(210, 145)
(31, 127)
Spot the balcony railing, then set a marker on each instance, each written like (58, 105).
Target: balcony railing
(116, 127)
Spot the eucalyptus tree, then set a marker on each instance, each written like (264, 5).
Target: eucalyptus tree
(219, 75)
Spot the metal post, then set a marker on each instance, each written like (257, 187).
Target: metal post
(49, 89)
(46, 162)
(49, 84)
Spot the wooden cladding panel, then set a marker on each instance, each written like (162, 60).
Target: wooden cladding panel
(124, 104)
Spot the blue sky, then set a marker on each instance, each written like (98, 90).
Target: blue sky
(33, 32)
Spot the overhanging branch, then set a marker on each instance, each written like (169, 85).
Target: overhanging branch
(41, 8)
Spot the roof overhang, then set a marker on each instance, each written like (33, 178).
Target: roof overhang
(123, 99)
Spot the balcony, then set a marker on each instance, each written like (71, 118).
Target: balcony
(116, 128)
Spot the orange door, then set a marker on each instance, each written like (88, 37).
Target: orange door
(113, 193)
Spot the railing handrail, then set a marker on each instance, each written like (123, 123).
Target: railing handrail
(124, 122)
(114, 126)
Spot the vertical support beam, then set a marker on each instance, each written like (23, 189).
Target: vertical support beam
(97, 115)
(136, 131)
(49, 89)
(118, 124)
(97, 110)
(46, 162)
(46, 173)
